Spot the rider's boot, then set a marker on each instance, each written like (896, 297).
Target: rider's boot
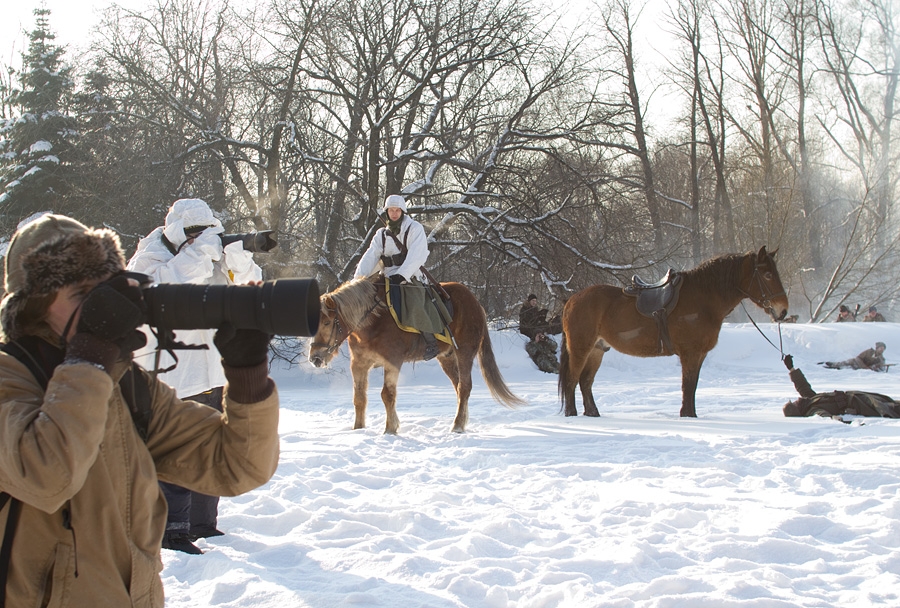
(431, 346)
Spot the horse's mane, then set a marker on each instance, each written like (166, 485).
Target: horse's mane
(355, 300)
(720, 274)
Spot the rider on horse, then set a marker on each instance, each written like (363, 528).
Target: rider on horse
(401, 246)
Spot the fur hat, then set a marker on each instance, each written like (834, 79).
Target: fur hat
(49, 253)
(844, 308)
(396, 201)
(881, 344)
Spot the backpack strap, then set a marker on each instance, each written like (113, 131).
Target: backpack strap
(12, 520)
(135, 387)
(28, 359)
(15, 505)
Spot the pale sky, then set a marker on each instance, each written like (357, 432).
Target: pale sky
(73, 20)
(70, 19)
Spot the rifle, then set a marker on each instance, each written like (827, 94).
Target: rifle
(441, 310)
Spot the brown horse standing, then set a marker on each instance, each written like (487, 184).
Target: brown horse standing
(357, 312)
(604, 313)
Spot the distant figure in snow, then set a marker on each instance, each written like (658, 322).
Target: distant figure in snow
(533, 320)
(845, 315)
(871, 358)
(874, 315)
(542, 351)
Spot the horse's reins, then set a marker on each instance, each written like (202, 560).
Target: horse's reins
(780, 346)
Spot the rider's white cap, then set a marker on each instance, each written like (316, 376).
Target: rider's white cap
(396, 201)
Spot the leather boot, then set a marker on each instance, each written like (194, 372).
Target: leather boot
(180, 541)
(431, 346)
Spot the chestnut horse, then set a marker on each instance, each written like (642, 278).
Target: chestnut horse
(357, 312)
(604, 313)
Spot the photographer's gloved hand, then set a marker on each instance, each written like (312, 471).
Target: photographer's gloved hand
(789, 362)
(208, 243)
(107, 328)
(398, 279)
(245, 353)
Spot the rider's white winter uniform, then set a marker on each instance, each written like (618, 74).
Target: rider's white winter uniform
(411, 233)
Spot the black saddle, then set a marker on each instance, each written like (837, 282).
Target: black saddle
(639, 283)
(656, 301)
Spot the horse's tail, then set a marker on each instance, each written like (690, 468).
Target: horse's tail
(563, 372)
(491, 374)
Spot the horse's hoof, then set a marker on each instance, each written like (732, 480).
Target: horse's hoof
(592, 414)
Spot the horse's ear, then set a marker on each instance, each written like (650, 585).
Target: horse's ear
(762, 254)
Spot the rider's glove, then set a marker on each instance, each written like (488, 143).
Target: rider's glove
(789, 362)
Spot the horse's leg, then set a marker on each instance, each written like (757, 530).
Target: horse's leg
(460, 374)
(578, 366)
(570, 366)
(690, 375)
(360, 373)
(389, 397)
(586, 380)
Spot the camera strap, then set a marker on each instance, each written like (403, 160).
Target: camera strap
(169, 244)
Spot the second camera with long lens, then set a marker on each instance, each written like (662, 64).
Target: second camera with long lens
(283, 307)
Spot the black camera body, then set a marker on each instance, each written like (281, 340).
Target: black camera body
(283, 307)
(257, 242)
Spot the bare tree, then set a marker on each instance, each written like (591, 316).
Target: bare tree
(762, 81)
(180, 70)
(622, 114)
(862, 54)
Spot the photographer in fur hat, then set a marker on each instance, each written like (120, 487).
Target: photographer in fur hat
(86, 435)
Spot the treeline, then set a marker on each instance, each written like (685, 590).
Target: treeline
(524, 146)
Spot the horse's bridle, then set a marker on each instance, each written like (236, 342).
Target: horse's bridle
(765, 302)
(335, 338)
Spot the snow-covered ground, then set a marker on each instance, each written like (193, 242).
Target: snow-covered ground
(740, 507)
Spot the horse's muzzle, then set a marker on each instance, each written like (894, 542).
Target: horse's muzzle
(775, 316)
(317, 361)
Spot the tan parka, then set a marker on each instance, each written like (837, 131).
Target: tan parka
(93, 515)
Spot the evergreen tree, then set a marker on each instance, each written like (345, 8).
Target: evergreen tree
(35, 144)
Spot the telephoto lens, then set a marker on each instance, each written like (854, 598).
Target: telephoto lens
(257, 242)
(283, 307)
